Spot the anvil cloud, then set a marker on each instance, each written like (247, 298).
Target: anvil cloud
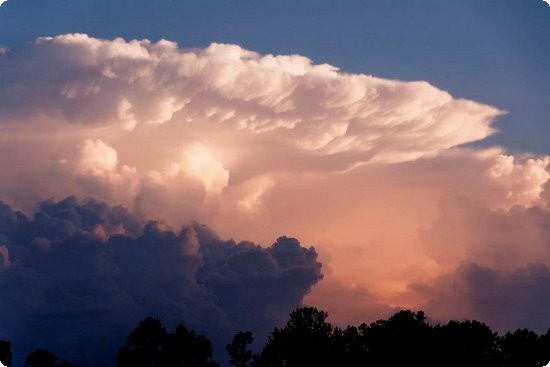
(122, 118)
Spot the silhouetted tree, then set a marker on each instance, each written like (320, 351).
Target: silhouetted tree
(544, 348)
(304, 341)
(349, 348)
(44, 358)
(186, 348)
(239, 354)
(308, 339)
(41, 358)
(466, 343)
(403, 339)
(144, 346)
(150, 345)
(5, 353)
(520, 349)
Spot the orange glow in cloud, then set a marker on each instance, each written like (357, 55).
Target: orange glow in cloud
(372, 172)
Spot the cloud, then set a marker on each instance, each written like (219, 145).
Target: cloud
(374, 172)
(494, 263)
(314, 108)
(76, 277)
(97, 157)
(126, 120)
(199, 163)
(348, 304)
(507, 300)
(467, 231)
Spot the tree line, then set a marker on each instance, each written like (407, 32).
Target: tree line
(308, 339)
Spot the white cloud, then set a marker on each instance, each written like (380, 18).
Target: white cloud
(314, 108)
(97, 157)
(198, 162)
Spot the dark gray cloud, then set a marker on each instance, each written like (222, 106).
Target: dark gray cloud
(504, 299)
(77, 277)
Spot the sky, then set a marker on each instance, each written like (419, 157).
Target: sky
(221, 163)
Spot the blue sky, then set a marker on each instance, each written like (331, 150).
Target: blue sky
(492, 51)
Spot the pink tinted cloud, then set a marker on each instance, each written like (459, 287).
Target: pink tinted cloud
(370, 170)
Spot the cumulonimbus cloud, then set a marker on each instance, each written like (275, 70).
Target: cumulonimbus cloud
(258, 145)
(76, 277)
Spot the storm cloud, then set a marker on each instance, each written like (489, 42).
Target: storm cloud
(77, 276)
(377, 173)
(505, 299)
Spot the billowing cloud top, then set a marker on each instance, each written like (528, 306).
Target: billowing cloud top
(119, 119)
(314, 107)
(76, 277)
